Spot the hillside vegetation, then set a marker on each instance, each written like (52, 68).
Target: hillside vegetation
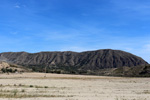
(11, 68)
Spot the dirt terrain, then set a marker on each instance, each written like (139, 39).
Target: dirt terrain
(35, 86)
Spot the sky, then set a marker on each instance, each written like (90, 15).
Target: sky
(75, 25)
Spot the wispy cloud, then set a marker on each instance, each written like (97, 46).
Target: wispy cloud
(56, 35)
(76, 48)
(17, 6)
(132, 8)
(14, 33)
(147, 48)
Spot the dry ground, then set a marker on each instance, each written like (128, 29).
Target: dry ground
(34, 86)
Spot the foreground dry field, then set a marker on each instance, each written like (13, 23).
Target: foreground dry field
(34, 86)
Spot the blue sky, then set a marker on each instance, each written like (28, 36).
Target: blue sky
(75, 25)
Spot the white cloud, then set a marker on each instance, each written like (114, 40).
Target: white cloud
(76, 49)
(143, 52)
(17, 5)
(128, 49)
(147, 47)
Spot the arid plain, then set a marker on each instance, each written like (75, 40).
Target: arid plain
(35, 86)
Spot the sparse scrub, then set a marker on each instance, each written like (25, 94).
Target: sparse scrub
(45, 86)
(71, 87)
(31, 86)
(8, 70)
(38, 86)
(20, 85)
(15, 91)
(30, 95)
(146, 92)
(23, 90)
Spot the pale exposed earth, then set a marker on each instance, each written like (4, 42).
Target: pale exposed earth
(75, 87)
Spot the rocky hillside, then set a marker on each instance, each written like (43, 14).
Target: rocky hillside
(90, 60)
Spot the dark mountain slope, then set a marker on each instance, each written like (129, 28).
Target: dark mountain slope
(90, 60)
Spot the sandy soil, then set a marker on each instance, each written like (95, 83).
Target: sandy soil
(73, 87)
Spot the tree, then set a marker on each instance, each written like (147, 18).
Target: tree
(3, 70)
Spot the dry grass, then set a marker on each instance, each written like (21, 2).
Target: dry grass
(23, 93)
(32, 86)
(28, 95)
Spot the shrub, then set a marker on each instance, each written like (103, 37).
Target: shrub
(31, 86)
(45, 86)
(15, 91)
(23, 90)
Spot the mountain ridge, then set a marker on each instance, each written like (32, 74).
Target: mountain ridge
(99, 62)
(92, 60)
